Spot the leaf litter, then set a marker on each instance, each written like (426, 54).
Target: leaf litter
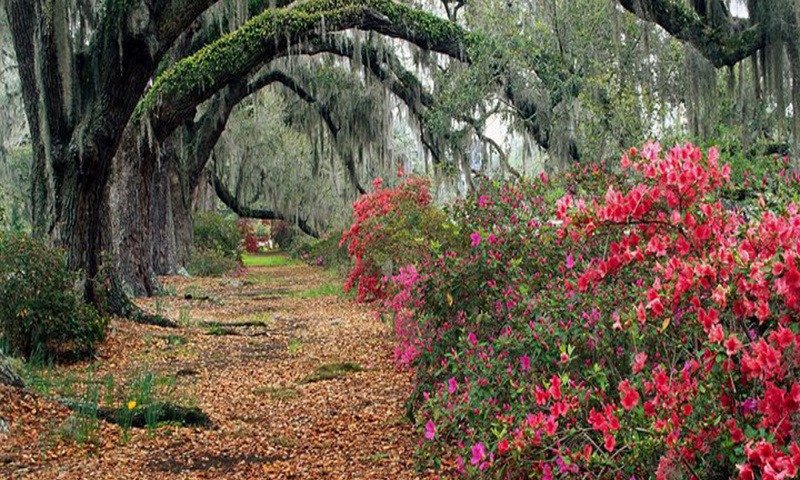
(304, 388)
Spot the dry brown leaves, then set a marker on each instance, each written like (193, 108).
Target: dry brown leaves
(268, 423)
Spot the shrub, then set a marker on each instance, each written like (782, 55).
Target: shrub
(393, 227)
(218, 233)
(282, 233)
(39, 310)
(642, 330)
(326, 251)
(248, 233)
(211, 263)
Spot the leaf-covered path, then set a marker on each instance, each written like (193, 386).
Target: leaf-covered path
(298, 381)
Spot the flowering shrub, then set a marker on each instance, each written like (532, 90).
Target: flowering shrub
(248, 233)
(392, 226)
(646, 331)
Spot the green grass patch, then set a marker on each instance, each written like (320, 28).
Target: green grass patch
(277, 393)
(294, 346)
(220, 331)
(268, 260)
(332, 371)
(177, 340)
(284, 442)
(376, 457)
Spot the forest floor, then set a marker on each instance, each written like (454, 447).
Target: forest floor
(298, 381)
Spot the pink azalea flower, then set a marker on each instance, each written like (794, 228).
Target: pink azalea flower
(570, 262)
(452, 386)
(475, 238)
(473, 339)
(478, 453)
(430, 430)
(525, 363)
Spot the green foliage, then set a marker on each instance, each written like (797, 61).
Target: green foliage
(216, 232)
(332, 371)
(324, 252)
(217, 242)
(210, 263)
(39, 308)
(270, 260)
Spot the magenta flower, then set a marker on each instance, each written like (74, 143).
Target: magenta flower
(473, 339)
(492, 239)
(478, 453)
(430, 430)
(452, 385)
(525, 363)
(476, 239)
(570, 261)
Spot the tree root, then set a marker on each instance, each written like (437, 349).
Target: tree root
(118, 303)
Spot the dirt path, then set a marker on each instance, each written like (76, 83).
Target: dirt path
(298, 381)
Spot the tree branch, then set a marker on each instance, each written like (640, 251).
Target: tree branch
(722, 45)
(195, 79)
(246, 212)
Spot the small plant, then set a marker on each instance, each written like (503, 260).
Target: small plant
(184, 316)
(332, 371)
(295, 346)
(82, 426)
(218, 330)
(176, 340)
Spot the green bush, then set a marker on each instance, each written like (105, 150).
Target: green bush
(218, 233)
(324, 252)
(40, 311)
(210, 263)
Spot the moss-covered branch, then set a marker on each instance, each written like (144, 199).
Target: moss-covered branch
(180, 89)
(230, 201)
(722, 45)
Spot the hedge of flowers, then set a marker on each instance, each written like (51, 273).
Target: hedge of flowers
(608, 325)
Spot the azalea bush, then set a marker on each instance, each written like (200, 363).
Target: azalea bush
(41, 314)
(620, 322)
(392, 227)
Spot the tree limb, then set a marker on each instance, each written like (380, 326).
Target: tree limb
(244, 211)
(722, 45)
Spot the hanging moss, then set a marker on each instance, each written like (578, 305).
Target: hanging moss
(275, 30)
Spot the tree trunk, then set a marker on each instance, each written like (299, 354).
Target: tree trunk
(129, 199)
(171, 212)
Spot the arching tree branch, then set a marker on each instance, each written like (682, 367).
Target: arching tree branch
(244, 211)
(723, 45)
(179, 90)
